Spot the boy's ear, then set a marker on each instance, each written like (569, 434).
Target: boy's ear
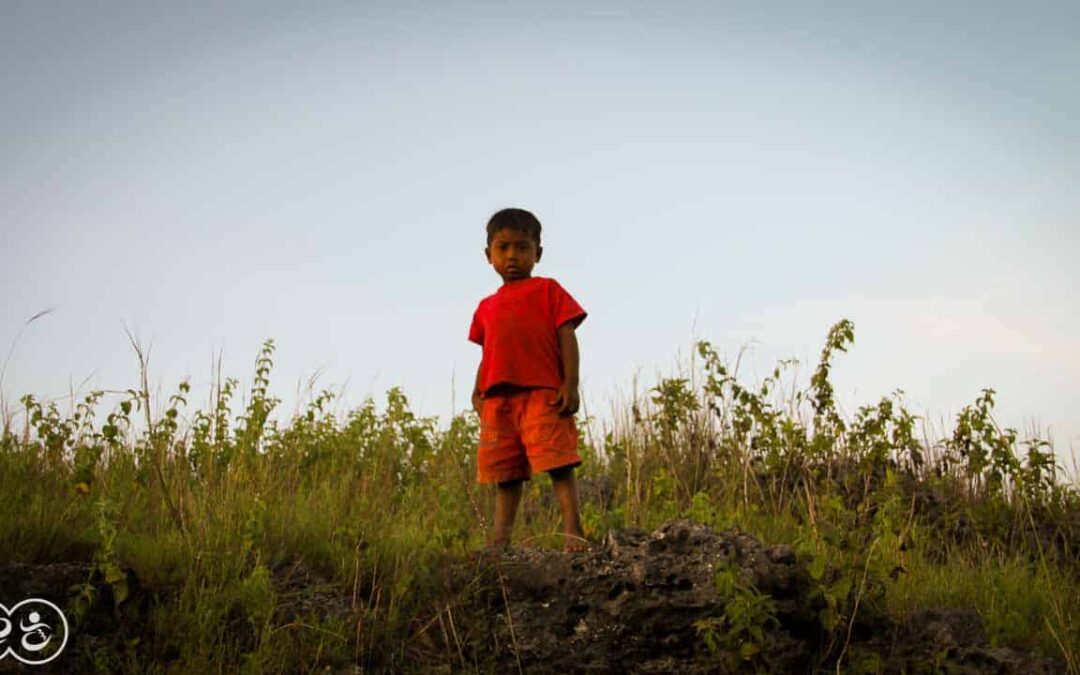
(539, 252)
(487, 253)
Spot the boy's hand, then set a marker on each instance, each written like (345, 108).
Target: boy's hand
(567, 399)
(477, 401)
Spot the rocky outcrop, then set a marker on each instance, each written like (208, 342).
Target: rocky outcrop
(640, 603)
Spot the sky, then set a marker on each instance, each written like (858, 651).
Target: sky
(208, 175)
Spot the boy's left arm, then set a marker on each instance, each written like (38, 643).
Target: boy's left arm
(568, 399)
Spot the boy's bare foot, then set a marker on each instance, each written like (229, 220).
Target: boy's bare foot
(574, 543)
(497, 550)
(493, 552)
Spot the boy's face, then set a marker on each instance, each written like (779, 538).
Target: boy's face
(513, 253)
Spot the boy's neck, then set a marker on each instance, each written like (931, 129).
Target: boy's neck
(517, 281)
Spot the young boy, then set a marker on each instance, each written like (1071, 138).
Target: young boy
(526, 389)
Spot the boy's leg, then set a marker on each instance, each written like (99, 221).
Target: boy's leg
(551, 441)
(507, 498)
(501, 460)
(564, 486)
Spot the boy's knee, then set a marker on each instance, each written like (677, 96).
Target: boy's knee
(561, 473)
(510, 484)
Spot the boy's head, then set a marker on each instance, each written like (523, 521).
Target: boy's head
(519, 220)
(513, 243)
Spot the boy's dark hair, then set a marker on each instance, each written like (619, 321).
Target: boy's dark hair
(515, 219)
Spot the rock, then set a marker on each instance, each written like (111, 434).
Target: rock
(632, 604)
(19, 581)
(958, 637)
(782, 553)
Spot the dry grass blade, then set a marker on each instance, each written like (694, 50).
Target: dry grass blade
(7, 359)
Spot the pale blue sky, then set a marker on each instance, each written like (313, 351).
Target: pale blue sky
(214, 174)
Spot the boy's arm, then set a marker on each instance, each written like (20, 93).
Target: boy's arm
(568, 399)
(476, 398)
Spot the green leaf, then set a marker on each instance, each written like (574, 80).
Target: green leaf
(828, 618)
(841, 588)
(725, 583)
(817, 568)
(120, 591)
(868, 663)
(113, 573)
(832, 535)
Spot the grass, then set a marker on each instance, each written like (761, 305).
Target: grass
(205, 511)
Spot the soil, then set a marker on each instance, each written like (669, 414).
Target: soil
(629, 604)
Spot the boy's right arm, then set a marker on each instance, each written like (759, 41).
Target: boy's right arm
(476, 398)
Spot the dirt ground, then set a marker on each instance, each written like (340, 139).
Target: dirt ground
(631, 604)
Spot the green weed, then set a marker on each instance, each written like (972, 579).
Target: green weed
(201, 510)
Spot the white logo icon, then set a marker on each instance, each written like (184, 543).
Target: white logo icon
(34, 631)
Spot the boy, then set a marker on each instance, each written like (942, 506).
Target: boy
(526, 389)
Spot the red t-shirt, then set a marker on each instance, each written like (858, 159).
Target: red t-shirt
(517, 327)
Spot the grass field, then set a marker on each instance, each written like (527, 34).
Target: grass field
(186, 519)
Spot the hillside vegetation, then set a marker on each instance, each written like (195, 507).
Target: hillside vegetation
(216, 540)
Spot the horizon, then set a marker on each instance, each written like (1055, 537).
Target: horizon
(609, 418)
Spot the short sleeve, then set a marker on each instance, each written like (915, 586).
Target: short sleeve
(476, 330)
(563, 306)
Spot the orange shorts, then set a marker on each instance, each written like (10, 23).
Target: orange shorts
(521, 433)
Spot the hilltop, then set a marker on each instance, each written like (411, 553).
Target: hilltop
(732, 531)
